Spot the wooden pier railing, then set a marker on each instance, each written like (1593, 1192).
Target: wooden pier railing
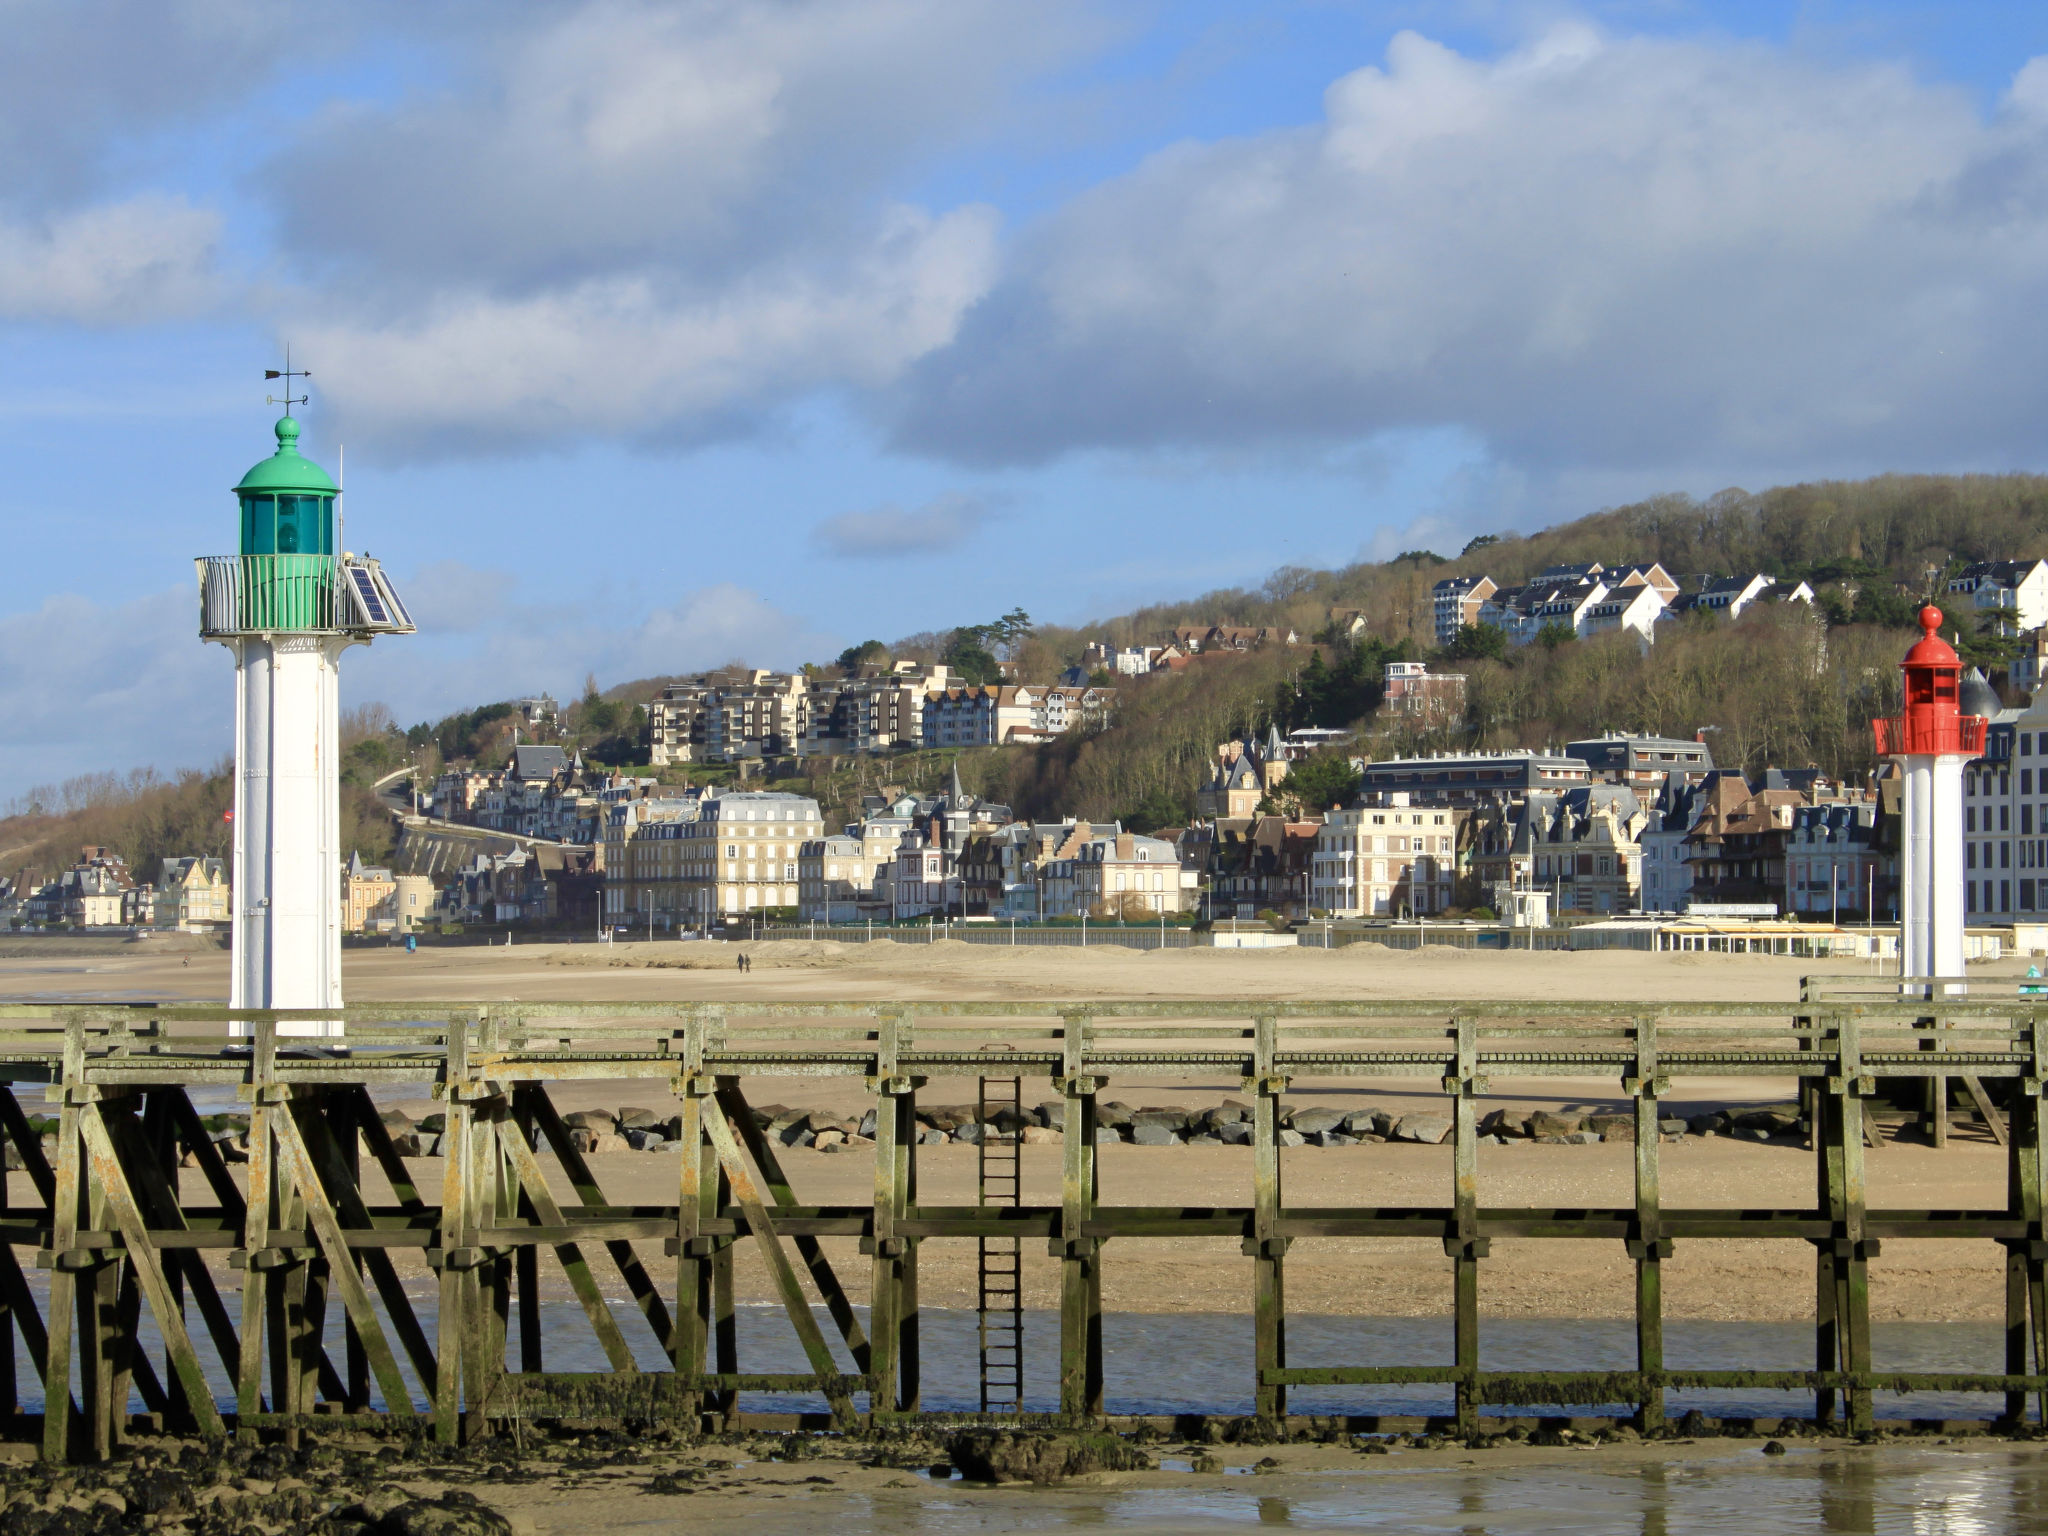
(110, 1226)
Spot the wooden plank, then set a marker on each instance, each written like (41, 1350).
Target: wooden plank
(249, 1399)
(58, 1428)
(1986, 1110)
(29, 1145)
(526, 1168)
(296, 1163)
(794, 1302)
(646, 1294)
(739, 1114)
(142, 1256)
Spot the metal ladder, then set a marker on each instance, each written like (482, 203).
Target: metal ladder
(1001, 1260)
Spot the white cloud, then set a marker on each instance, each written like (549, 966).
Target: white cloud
(149, 258)
(891, 532)
(629, 356)
(1596, 254)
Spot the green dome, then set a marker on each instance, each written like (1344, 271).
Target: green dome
(287, 469)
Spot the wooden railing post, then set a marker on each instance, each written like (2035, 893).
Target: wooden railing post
(1079, 1251)
(1649, 1247)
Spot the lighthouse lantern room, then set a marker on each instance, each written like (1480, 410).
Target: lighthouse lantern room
(286, 606)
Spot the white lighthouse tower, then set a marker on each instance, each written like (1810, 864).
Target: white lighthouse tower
(1931, 740)
(287, 605)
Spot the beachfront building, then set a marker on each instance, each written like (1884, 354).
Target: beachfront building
(1388, 856)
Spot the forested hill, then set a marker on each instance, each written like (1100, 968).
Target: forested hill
(1892, 530)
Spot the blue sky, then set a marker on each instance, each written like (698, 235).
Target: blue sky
(664, 334)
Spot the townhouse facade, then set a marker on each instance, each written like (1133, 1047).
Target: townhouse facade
(1389, 856)
(1418, 694)
(1120, 876)
(2014, 592)
(1582, 845)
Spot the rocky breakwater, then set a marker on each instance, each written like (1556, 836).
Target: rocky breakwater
(599, 1131)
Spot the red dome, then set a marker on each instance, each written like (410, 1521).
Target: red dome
(1930, 650)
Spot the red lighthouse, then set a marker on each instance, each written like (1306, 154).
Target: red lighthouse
(1932, 740)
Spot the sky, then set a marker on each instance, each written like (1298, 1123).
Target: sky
(650, 336)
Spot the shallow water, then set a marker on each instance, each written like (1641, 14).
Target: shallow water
(1201, 1362)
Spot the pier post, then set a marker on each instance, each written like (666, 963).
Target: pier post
(892, 1319)
(1266, 1246)
(1648, 1247)
(1465, 1246)
(1079, 1252)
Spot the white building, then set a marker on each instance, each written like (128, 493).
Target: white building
(2015, 590)
(1386, 860)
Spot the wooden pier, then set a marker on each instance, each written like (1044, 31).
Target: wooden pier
(116, 1237)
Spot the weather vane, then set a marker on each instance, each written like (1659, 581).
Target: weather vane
(287, 373)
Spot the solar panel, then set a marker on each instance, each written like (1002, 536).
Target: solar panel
(398, 614)
(372, 599)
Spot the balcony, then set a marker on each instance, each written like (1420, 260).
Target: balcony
(296, 594)
(1903, 736)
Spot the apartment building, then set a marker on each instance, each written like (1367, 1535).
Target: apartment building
(643, 861)
(1122, 875)
(741, 853)
(1837, 861)
(1458, 601)
(1474, 778)
(840, 877)
(364, 887)
(722, 716)
(880, 710)
(1387, 857)
(1731, 596)
(1643, 763)
(1583, 845)
(1635, 609)
(991, 715)
(1431, 698)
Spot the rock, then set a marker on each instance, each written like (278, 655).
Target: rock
(608, 1143)
(766, 1115)
(1707, 1124)
(407, 1145)
(1028, 1456)
(1010, 1121)
(932, 1136)
(1038, 1135)
(1053, 1114)
(971, 1133)
(396, 1120)
(1371, 1136)
(1772, 1119)
(582, 1138)
(1750, 1133)
(1232, 1109)
(1205, 1139)
(799, 1136)
(599, 1120)
(1114, 1113)
(1364, 1122)
(1773, 1448)
(455, 1513)
(788, 1120)
(637, 1119)
(1620, 1127)
(1424, 1128)
(1172, 1116)
(1154, 1133)
(867, 1125)
(1289, 1137)
(1549, 1123)
(1671, 1127)
(641, 1139)
(1234, 1133)
(829, 1141)
(1332, 1139)
(1312, 1122)
(819, 1121)
(1505, 1122)
(859, 1141)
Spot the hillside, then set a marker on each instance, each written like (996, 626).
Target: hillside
(1779, 687)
